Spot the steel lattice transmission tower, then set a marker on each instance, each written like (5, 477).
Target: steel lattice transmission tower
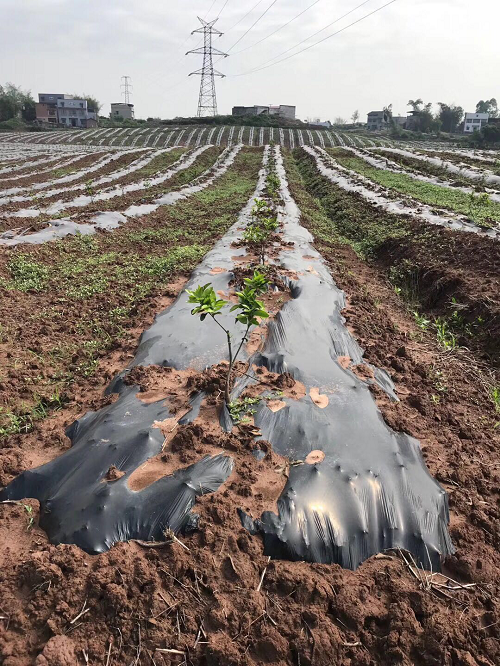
(207, 102)
(126, 89)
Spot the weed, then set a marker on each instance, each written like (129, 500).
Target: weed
(12, 423)
(406, 277)
(495, 397)
(438, 380)
(241, 410)
(27, 275)
(421, 321)
(479, 208)
(31, 517)
(445, 337)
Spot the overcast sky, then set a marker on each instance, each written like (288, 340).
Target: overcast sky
(439, 50)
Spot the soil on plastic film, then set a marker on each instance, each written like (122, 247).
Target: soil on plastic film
(66, 306)
(213, 599)
(39, 173)
(442, 271)
(146, 194)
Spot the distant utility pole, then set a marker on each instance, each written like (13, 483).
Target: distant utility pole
(207, 102)
(126, 88)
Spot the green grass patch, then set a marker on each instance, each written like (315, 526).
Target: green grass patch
(159, 163)
(346, 217)
(26, 274)
(478, 207)
(24, 419)
(96, 287)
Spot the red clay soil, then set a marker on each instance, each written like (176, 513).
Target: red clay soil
(28, 169)
(215, 600)
(118, 203)
(41, 176)
(431, 264)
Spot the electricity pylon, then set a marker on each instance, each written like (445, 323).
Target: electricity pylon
(126, 88)
(207, 101)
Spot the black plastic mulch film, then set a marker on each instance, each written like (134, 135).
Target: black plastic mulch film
(371, 492)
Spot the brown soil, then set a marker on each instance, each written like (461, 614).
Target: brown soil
(214, 599)
(117, 203)
(444, 264)
(24, 178)
(43, 334)
(431, 265)
(141, 598)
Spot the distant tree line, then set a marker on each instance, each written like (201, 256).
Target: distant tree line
(449, 119)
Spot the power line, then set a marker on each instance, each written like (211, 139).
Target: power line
(258, 69)
(211, 7)
(222, 8)
(244, 17)
(207, 102)
(253, 25)
(278, 29)
(292, 48)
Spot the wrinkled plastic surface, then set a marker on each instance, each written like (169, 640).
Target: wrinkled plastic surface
(372, 491)
(78, 504)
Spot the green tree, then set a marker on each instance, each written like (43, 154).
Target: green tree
(248, 309)
(355, 117)
(491, 133)
(450, 116)
(423, 119)
(415, 104)
(16, 102)
(489, 106)
(93, 104)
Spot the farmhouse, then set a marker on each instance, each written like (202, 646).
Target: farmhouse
(121, 110)
(378, 120)
(474, 121)
(282, 110)
(59, 109)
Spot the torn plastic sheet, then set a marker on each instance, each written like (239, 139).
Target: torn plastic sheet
(79, 505)
(371, 491)
(351, 181)
(108, 220)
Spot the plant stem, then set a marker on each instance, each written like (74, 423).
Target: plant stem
(231, 362)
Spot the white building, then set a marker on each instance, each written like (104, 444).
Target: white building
(474, 121)
(74, 112)
(378, 120)
(121, 110)
(58, 109)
